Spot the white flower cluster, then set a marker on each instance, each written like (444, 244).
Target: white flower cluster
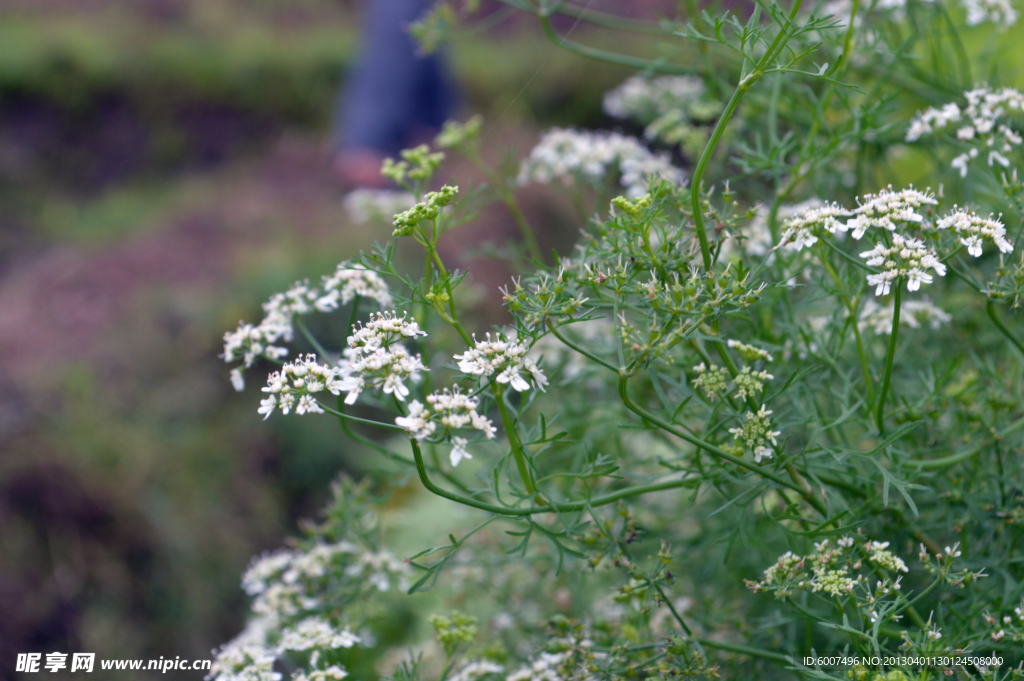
(476, 669)
(712, 381)
(377, 205)
(750, 383)
(645, 99)
(931, 119)
(452, 410)
(507, 358)
(972, 228)
(544, 668)
(907, 257)
(347, 282)
(315, 632)
(284, 584)
(887, 560)
(296, 383)
(887, 208)
(756, 433)
(378, 568)
(804, 227)
(250, 342)
(983, 125)
(832, 570)
(757, 236)
(913, 313)
(999, 12)
(332, 673)
(375, 357)
(566, 153)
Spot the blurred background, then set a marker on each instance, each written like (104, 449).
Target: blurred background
(166, 165)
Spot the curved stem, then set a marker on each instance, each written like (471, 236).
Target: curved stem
(604, 500)
(577, 348)
(717, 452)
(509, 199)
(611, 57)
(747, 650)
(513, 440)
(320, 349)
(347, 417)
(990, 309)
(890, 356)
(702, 165)
(716, 135)
(954, 459)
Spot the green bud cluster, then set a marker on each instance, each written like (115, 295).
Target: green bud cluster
(457, 135)
(428, 209)
(454, 631)
(712, 381)
(417, 165)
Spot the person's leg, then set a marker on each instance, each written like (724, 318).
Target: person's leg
(391, 94)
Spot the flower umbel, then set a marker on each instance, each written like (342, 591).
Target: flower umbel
(507, 358)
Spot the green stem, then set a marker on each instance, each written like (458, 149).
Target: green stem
(509, 199)
(747, 650)
(348, 417)
(566, 507)
(513, 440)
(716, 135)
(702, 165)
(718, 452)
(890, 356)
(853, 307)
(453, 317)
(990, 308)
(320, 350)
(610, 57)
(585, 353)
(954, 459)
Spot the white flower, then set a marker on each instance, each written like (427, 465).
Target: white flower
(504, 357)
(539, 379)
(375, 357)
(476, 669)
(762, 452)
(888, 208)
(511, 376)
(459, 452)
(960, 163)
(315, 632)
(590, 156)
(307, 405)
(237, 379)
(804, 227)
(351, 280)
(999, 12)
(298, 381)
(913, 313)
(456, 410)
(645, 99)
(264, 569)
(907, 257)
(417, 423)
(972, 228)
(986, 107)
